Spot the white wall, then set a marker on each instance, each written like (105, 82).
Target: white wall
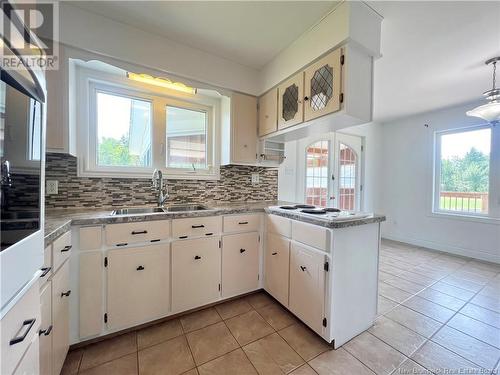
(407, 169)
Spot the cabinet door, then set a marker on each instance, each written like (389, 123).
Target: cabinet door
(91, 293)
(30, 363)
(322, 82)
(268, 113)
(60, 317)
(46, 327)
(240, 263)
(290, 99)
(138, 285)
(196, 268)
(307, 285)
(244, 128)
(277, 267)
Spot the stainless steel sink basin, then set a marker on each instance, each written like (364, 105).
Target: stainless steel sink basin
(186, 207)
(139, 210)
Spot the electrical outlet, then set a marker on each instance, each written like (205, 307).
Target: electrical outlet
(255, 178)
(51, 187)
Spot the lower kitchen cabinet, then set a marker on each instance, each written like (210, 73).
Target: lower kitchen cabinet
(138, 285)
(277, 257)
(195, 273)
(307, 285)
(240, 263)
(45, 332)
(60, 317)
(30, 362)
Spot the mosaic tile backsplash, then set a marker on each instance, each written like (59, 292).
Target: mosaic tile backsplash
(234, 185)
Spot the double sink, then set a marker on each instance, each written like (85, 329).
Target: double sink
(153, 210)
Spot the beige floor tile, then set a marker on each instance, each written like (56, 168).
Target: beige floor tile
(304, 341)
(232, 363)
(108, 350)
(248, 327)
(374, 353)
(483, 266)
(199, 319)
(491, 303)
(272, 355)
(397, 336)
(459, 282)
(232, 308)
(387, 268)
(479, 277)
(407, 286)
(211, 342)
(430, 272)
(415, 321)
(304, 370)
(393, 293)
(468, 347)
(442, 361)
(191, 372)
(277, 316)
(171, 357)
(483, 315)
(411, 367)
(338, 362)
(431, 309)
(385, 305)
(452, 290)
(159, 332)
(442, 299)
(72, 362)
(258, 300)
(477, 329)
(126, 365)
(418, 278)
(396, 263)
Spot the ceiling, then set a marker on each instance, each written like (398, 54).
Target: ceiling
(251, 33)
(432, 51)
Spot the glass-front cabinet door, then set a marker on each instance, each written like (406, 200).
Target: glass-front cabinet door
(290, 95)
(322, 82)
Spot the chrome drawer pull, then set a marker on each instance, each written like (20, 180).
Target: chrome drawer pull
(29, 323)
(66, 248)
(66, 294)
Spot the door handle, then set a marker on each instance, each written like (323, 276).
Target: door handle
(242, 251)
(274, 254)
(45, 332)
(66, 294)
(139, 232)
(27, 323)
(303, 268)
(140, 268)
(66, 248)
(197, 257)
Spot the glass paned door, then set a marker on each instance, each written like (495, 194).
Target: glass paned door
(317, 163)
(348, 172)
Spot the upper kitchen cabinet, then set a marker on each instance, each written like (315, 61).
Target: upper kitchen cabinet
(290, 99)
(268, 112)
(322, 82)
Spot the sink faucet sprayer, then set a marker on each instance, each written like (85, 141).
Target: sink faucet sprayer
(161, 189)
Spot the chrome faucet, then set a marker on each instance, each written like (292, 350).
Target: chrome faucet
(158, 185)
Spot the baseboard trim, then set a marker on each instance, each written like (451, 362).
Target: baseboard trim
(455, 250)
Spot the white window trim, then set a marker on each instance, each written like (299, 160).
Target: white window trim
(436, 179)
(89, 81)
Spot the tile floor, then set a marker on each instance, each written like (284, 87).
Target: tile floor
(437, 314)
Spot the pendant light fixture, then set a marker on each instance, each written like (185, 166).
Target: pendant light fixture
(490, 111)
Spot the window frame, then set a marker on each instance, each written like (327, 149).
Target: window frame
(436, 187)
(89, 82)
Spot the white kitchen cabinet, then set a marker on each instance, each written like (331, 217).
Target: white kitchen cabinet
(307, 285)
(45, 332)
(322, 86)
(290, 101)
(277, 259)
(279, 225)
(195, 273)
(61, 250)
(138, 285)
(241, 223)
(30, 364)
(61, 294)
(243, 129)
(135, 232)
(196, 227)
(240, 263)
(268, 112)
(91, 293)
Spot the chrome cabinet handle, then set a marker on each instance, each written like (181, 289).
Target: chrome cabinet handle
(27, 323)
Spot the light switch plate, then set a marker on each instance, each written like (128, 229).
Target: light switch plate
(255, 178)
(52, 187)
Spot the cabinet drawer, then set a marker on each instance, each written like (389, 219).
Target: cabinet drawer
(279, 225)
(143, 231)
(196, 226)
(47, 265)
(196, 268)
(242, 223)
(311, 235)
(61, 250)
(18, 328)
